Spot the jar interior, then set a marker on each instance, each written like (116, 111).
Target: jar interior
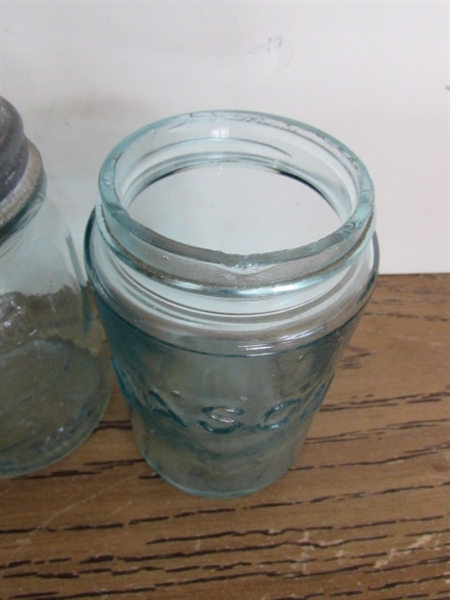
(234, 204)
(234, 208)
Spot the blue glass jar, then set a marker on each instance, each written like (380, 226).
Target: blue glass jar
(231, 255)
(55, 378)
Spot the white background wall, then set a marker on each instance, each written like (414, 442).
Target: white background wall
(373, 74)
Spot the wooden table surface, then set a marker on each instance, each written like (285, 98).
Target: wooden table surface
(363, 513)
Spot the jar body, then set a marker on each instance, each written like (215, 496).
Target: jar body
(219, 424)
(222, 379)
(55, 376)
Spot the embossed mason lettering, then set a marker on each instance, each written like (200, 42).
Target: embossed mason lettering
(277, 416)
(222, 419)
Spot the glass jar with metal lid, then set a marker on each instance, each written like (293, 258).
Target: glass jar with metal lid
(54, 372)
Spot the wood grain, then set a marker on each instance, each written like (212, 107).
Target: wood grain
(363, 513)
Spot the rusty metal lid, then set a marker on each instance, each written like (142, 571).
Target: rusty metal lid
(13, 148)
(20, 164)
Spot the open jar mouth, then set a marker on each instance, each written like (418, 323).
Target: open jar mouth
(150, 181)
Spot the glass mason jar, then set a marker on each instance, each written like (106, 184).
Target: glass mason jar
(55, 375)
(231, 255)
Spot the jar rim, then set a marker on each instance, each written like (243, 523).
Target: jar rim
(338, 247)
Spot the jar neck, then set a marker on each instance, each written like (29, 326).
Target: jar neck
(201, 140)
(257, 324)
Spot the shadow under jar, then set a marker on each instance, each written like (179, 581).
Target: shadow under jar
(231, 255)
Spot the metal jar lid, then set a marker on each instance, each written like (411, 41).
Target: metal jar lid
(20, 164)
